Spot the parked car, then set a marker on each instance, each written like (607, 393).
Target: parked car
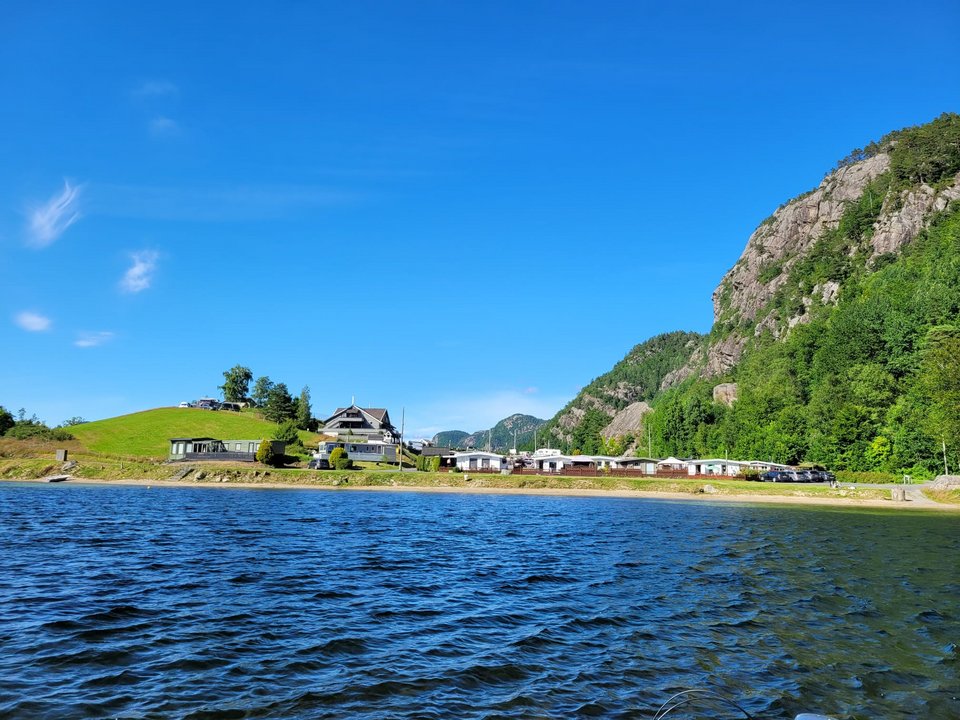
(235, 407)
(776, 476)
(319, 464)
(185, 404)
(205, 406)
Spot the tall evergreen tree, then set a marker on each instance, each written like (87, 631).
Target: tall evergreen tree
(279, 405)
(304, 411)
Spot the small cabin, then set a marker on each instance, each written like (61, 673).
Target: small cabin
(206, 448)
(557, 463)
(479, 461)
(369, 450)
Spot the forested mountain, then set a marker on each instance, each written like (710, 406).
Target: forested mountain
(646, 370)
(450, 438)
(500, 437)
(837, 334)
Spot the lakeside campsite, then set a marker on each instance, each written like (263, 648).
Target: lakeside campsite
(502, 360)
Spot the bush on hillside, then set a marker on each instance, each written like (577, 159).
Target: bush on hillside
(335, 455)
(265, 453)
(287, 432)
(29, 430)
(6, 420)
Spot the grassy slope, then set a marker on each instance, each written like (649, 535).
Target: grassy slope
(146, 434)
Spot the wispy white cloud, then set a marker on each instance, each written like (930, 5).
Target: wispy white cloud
(162, 126)
(156, 88)
(49, 221)
(140, 274)
(32, 322)
(92, 339)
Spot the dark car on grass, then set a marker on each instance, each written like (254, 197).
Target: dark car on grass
(790, 476)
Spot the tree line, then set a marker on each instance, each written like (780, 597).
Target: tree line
(273, 398)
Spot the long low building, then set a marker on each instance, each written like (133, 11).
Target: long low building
(206, 448)
(478, 460)
(362, 449)
(719, 466)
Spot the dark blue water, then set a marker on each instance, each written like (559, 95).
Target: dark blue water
(178, 602)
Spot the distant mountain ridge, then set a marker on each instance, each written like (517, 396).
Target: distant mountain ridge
(500, 437)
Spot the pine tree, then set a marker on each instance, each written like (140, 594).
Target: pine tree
(304, 411)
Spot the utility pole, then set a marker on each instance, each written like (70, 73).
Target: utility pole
(403, 419)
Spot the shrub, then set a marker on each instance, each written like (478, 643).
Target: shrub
(335, 455)
(265, 453)
(27, 430)
(287, 432)
(342, 463)
(435, 463)
(867, 477)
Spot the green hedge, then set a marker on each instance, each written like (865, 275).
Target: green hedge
(848, 476)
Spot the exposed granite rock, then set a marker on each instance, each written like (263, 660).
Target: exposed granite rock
(628, 421)
(788, 235)
(946, 482)
(675, 377)
(723, 355)
(725, 393)
(897, 227)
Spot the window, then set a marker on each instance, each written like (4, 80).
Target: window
(237, 447)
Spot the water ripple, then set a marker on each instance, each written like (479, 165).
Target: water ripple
(197, 603)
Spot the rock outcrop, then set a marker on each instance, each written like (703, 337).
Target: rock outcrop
(628, 421)
(946, 482)
(725, 393)
(788, 236)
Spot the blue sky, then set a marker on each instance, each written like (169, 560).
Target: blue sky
(460, 209)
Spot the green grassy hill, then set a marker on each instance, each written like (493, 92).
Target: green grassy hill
(146, 433)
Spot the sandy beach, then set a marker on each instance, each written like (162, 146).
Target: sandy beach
(916, 501)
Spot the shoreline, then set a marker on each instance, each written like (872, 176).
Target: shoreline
(739, 498)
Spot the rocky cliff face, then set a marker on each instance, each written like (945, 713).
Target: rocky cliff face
(795, 267)
(628, 421)
(789, 235)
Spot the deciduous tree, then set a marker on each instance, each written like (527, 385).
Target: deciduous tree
(261, 390)
(236, 384)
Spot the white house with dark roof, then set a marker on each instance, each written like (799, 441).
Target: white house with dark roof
(358, 422)
(363, 433)
(479, 460)
(556, 463)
